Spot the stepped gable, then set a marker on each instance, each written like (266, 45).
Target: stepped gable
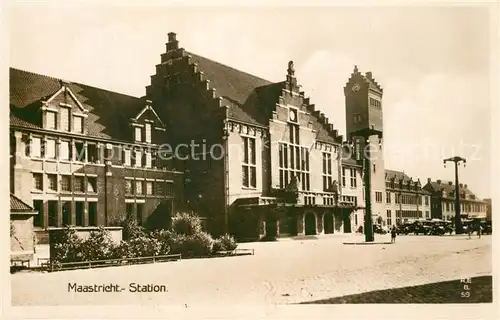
(367, 78)
(109, 112)
(248, 98)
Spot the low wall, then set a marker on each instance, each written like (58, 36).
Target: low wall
(82, 232)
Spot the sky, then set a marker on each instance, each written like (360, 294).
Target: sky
(432, 62)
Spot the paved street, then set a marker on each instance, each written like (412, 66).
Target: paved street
(288, 271)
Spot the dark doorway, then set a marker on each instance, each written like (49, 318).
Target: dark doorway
(347, 221)
(310, 224)
(53, 213)
(271, 227)
(328, 222)
(79, 213)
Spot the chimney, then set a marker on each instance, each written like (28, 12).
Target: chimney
(172, 44)
(438, 181)
(428, 180)
(465, 186)
(450, 183)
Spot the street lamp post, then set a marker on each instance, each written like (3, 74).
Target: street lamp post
(458, 220)
(366, 134)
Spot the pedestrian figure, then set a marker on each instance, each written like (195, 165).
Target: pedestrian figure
(479, 231)
(393, 234)
(469, 230)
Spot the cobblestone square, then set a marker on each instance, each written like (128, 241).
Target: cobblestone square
(283, 272)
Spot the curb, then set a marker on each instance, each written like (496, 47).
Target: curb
(365, 243)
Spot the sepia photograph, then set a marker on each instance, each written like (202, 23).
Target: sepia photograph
(297, 157)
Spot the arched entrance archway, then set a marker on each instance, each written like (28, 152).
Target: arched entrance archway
(310, 223)
(328, 222)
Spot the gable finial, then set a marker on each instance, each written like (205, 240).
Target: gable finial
(291, 69)
(355, 68)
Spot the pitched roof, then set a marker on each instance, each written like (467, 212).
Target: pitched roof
(250, 98)
(109, 112)
(397, 175)
(17, 205)
(449, 188)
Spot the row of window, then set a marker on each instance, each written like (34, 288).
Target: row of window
(409, 214)
(64, 183)
(64, 122)
(65, 207)
(375, 103)
(309, 200)
(393, 185)
(294, 161)
(87, 152)
(466, 207)
(141, 187)
(410, 199)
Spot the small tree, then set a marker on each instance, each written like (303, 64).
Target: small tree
(98, 246)
(68, 247)
(131, 229)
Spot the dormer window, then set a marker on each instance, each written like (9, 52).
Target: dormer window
(78, 124)
(138, 134)
(65, 119)
(147, 132)
(51, 120)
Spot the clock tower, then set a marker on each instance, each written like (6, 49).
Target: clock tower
(364, 129)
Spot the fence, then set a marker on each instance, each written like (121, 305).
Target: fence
(51, 266)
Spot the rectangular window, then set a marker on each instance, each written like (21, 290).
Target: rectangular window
(36, 147)
(79, 211)
(66, 213)
(148, 160)
(128, 186)
(78, 184)
(51, 120)
(389, 218)
(138, 187)
(129, 207)
(353, 178)
(147, 132)
(78, 124)
(426, 200)
(80, 151)
(378, 196)
(249, 164)
(38, 206)
(92, 151)
(127, 161)
(64, 119)
(66, 183)
(327, 171)
(137, 158)
(343, 177)
(92, 184)
(64, 150)
(294, 134)
(38, 181)
(50, 149)
(52, 178)
(53, 213)
(138, 134)
(92, 214)
(388, 197)
(149, 187)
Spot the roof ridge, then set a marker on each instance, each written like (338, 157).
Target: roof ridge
(233, 68)
(74, 82)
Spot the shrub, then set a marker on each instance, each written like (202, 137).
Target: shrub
(197, 245)
(228, 242)
(68, 248)
(131, 229)
(142, 246)
(98, 246)
(187, 224)
(164, 237)
(224, 243)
